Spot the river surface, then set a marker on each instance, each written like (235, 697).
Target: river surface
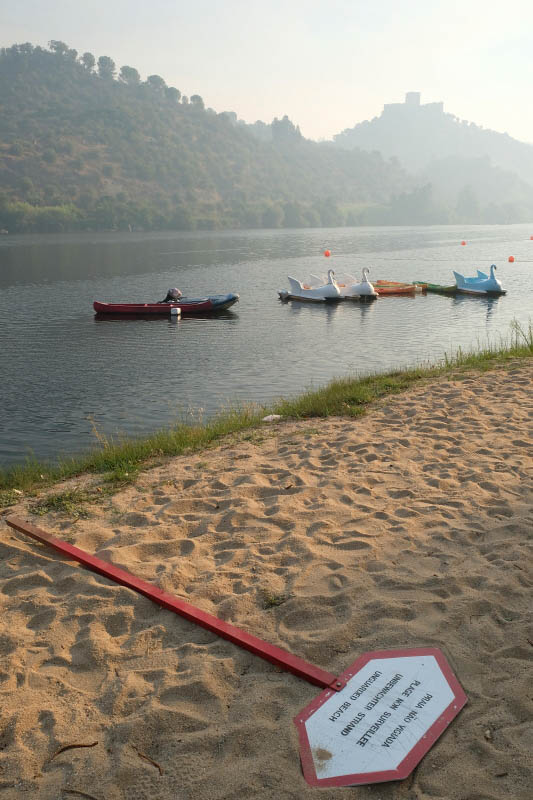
(68, 377)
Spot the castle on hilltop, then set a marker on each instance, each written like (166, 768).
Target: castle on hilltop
(412, 102)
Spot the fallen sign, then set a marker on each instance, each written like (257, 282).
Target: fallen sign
(276, 655)
(393, 708)
(373, 723)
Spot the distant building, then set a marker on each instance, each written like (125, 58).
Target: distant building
(412, 101)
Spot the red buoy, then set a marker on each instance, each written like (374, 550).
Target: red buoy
(511, 259)
(463, 242)
(327, 253)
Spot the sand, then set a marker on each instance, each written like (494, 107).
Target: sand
(411, 526)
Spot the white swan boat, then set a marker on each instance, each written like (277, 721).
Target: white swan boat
(316, 288)
(351, 288)
(311, 292)
(481, 284)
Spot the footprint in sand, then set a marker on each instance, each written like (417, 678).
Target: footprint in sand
(42, 620)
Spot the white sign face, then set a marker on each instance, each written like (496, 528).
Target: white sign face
(377, 728)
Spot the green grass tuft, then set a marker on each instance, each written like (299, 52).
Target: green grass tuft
(120, 460)
(70, 503)
(9, 497)
(273, 600)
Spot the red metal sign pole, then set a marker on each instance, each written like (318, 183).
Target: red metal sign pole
(281, 658)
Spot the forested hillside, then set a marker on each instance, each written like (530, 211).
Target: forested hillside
(476, 175)
(86, 146)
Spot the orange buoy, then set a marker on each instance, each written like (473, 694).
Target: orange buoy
(463, 242)
(327, 253)
(511, 259)
(531, 237)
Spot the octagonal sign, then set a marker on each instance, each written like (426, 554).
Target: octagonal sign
(395, 705)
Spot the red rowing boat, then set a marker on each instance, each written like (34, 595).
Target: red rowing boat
(187, 305)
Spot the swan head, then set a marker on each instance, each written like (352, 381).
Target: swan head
(330, 276)
(366, 273)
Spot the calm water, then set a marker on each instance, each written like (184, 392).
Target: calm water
(66, 373)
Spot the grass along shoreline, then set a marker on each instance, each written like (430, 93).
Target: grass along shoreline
(119, 461)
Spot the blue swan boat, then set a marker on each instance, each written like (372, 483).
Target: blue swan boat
(482, 284)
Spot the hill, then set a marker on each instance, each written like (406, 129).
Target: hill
(84, 148)
(478, 175)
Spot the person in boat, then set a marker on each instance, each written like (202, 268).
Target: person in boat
(173, 295)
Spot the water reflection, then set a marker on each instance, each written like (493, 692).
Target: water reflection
(56, 362)
(322, 310)
(366, 309)
(221, 315)
(329, 310)
(488, 303)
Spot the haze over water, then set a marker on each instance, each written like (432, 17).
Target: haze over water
(66, 373)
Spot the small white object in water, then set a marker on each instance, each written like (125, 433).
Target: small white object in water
(272, 418)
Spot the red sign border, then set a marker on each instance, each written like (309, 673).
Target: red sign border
(419, 750)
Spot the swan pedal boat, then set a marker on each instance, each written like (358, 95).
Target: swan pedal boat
(482, 284)
(352, 289)
(187, 305)
(317, 289)
(324, 292)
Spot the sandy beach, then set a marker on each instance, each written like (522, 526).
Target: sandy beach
(410, 526)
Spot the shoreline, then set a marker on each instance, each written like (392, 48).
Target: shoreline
(407, 526)
(121, 458)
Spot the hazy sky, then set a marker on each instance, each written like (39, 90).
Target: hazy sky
(328, 64)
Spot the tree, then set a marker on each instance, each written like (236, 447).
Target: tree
(467, 207)
(272, 217)
(283, 130)
(328, 211)
(292, 216)
(88, 61)
(181, 218)
(129, 75)
(60, 48)
(106, 68)
(156, 82)
(25, 49)
(231, 116)
(197, 101)
(173, 94)
(414, 208)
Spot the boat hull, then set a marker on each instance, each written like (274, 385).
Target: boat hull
(385, 291)
(201, 305)
(385, 288)
(308, 298)
(481, 293)
(436, 288)
(285, 296)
